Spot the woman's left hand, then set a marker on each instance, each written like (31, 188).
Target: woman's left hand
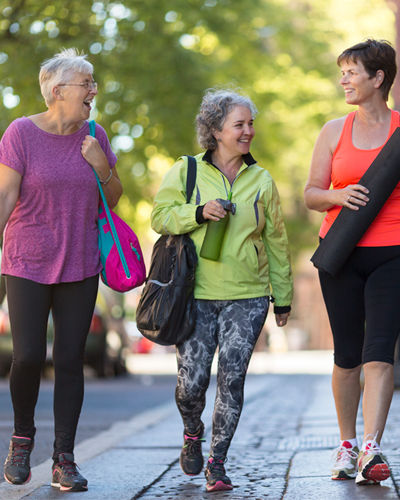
(95, 156)
(281, 319)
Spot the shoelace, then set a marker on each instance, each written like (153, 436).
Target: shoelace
(343, 456)
(217, 467)
(372, 447)
(69, 468)
(193, 444)
(20, 453)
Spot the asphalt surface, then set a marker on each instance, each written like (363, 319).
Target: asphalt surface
(106, 401)
(282, 450)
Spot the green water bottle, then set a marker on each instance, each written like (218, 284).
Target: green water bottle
(212, 243)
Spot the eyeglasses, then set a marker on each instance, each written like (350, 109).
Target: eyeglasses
(86, 85)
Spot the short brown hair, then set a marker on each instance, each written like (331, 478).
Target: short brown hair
(374, 55)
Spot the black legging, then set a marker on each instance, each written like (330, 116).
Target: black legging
(29, 304)
(363, 304)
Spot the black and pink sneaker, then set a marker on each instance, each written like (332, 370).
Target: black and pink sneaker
(17, 469)
(191, 458)
(217, 480)
(66, 476)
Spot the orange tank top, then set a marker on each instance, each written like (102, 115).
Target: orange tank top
(348, 166)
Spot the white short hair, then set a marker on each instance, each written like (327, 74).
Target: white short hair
(61, 69)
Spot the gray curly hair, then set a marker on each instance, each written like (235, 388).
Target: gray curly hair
(60, 69)
(215, 107)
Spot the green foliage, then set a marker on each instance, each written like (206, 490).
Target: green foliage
(154, 59)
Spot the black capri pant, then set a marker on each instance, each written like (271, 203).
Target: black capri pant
(363, 304)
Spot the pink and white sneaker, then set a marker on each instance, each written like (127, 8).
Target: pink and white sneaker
(372, 465)
(345, 461)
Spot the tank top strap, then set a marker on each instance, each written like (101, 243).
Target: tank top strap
(396, 119)
(348, 127)
(345, 136)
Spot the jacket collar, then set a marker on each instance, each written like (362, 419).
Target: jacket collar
(247, 158)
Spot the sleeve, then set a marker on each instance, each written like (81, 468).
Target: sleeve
(11, 149)
(277, 249)
(101, 136)
(171, 214)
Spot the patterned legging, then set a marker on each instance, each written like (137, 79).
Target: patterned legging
(234, 326)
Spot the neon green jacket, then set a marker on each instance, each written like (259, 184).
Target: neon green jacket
(254, 259)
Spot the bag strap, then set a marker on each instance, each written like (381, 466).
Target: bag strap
(92, 131)
(191, 177)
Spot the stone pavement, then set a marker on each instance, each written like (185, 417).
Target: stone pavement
(282, 450)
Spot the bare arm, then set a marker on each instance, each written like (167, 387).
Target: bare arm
(10, 181)
(317, 194)
(95, 156)
(113, 189)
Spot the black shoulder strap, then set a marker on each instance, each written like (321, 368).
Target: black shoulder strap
(191, 177)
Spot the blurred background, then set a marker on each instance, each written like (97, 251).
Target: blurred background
(153, 61)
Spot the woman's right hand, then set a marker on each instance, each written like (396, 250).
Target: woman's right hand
(352, 196)
(213, 210)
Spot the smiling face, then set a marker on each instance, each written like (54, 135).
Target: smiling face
(237, 132)
(357, 84)
(76, 97)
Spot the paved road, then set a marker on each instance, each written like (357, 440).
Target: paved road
(281, 450)
(106, 401)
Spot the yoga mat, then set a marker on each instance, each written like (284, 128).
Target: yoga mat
(349, 226)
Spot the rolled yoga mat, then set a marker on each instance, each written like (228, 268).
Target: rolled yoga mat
(349, 226)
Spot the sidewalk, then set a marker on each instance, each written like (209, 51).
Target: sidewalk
(281, 450)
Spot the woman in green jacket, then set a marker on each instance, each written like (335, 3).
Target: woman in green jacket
(232, 294)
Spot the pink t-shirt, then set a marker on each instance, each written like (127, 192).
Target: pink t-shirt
(51, 235)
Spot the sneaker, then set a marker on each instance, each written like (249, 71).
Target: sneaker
(217, 480)
(345, 465)
(372, 466)
(191, 459)
(17, 469)
(65, 474)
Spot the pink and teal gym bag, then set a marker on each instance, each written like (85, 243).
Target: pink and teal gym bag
(120, 252)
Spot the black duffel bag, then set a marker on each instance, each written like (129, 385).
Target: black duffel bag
(166, 312)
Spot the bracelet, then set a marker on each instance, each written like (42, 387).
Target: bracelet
(108, 178)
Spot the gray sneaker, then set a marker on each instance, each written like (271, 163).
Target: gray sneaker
(66, 476)
(17, 469)
(345, 462)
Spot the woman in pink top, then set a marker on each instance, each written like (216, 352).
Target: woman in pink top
(363, 299)
(48, 212)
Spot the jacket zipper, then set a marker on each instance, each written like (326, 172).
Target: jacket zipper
(229, 194)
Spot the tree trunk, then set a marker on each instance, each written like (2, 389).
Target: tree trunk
(395, 6)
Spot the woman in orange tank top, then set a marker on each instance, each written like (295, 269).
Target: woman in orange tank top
(362, 300)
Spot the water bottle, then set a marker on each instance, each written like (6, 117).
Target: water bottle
(212, 243)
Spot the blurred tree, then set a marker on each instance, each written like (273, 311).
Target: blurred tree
(154, 59)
